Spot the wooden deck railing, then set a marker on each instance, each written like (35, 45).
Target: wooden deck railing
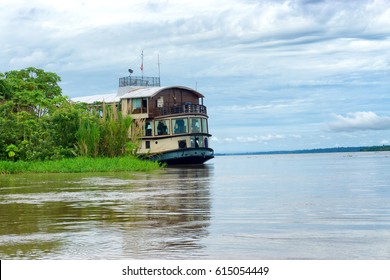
(179, 109)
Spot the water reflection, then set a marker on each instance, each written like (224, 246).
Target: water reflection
(105, 215)
(325, 206)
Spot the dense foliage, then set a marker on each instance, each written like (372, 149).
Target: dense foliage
(38, 123)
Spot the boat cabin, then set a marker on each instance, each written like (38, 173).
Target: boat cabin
(153, 102)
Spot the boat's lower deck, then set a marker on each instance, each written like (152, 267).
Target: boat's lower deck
(180, 139)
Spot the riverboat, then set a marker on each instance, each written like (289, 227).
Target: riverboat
(173, 119)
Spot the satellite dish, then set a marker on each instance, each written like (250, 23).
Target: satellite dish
(131, 71)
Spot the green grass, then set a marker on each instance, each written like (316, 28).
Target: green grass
(79, 165)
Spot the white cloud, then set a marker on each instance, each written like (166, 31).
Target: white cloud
(279, 38)
(359, 121)
(36, 57)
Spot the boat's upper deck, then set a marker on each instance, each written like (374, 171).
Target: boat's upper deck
(155, 101)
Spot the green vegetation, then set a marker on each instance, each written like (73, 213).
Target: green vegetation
(104, 136)
(79, 165)
(38, 123)
(376, 148)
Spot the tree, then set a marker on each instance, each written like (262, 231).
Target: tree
(29, 99)
(4, 92)
(32, 90)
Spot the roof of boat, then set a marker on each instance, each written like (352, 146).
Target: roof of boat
(137, 92)
(129, 92)
(108, 98)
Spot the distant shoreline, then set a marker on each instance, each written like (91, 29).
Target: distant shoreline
(317, 151)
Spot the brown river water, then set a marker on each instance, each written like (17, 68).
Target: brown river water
(317, 206)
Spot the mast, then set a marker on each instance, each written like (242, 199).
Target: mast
(142, 64)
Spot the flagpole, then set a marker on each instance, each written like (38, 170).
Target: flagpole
(142, 64)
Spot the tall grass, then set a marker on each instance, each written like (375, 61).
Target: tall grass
(114, 132)
(79, 165)
(104, 136)
(88, 137)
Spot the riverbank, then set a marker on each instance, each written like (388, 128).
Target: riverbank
(79, 165)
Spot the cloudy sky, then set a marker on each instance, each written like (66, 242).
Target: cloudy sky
(277, 75)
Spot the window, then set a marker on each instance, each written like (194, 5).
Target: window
(148, 128)
(136, 108)
(196, 141)
(179, 125)
(194, 125)
(162, 127)
(204, 126)
(160, 102)
(144, 105)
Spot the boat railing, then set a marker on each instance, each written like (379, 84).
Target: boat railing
(137, 81)
(179, 109)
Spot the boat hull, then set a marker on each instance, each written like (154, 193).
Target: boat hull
(184, 156)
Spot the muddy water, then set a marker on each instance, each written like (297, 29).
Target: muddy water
(334, 206)
(104, 215)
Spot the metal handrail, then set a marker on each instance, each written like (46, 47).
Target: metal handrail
(137, 81)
